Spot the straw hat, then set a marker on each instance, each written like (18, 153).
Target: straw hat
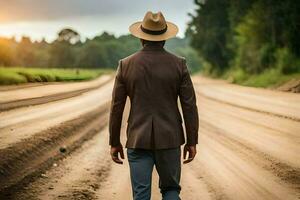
(154, 27)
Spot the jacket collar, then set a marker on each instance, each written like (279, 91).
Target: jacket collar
(152, 47)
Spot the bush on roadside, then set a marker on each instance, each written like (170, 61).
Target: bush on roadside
(272, 77)
(16, 75)
(286, 62)
(236, 75)
(8, 78)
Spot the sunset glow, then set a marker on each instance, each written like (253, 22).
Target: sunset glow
(44, 19)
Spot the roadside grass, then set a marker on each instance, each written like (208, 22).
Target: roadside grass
(268, 79)
(18, 75)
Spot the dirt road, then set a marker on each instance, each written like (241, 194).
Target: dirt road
(249, 147)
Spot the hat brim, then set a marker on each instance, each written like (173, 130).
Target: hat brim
(135, 30)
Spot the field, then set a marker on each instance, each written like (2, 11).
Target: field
(17, 75)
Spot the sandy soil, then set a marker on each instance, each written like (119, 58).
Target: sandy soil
(89, 173)
(35, 94)
(29, 156)
(248, 148)
(22, 123)
(48, 89)
(272, 102)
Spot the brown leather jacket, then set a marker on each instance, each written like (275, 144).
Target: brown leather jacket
(154, 79)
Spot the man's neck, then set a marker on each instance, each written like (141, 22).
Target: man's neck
(153, 47)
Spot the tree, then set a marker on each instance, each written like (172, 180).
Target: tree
(25, 52)
(6, 52)
(68, 35)
(208, 29)
(61, 55)
(104, 50)
(253, 35)
(93, 55)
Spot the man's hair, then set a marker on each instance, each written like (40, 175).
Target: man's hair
(162, 43)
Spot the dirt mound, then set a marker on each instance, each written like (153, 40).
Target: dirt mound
(291, 86)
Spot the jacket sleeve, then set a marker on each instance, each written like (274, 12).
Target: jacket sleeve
(189, 108)
(117, 107)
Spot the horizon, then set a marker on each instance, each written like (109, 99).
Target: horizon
(82, 39)
(90, 18)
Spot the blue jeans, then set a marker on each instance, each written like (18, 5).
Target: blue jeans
(168, 166)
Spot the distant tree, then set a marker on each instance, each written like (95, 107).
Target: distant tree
(208, 29)
(61, 54)
(104, 50)
(6, 52)
(105, 36)
(92, 55)
(68, 35)
(115, 51)
(41, 53)
(26, 52)
(62, 50)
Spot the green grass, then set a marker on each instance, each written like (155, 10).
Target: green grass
(267, 79)
(18, 75)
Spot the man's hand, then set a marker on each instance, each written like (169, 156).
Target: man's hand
(192, 153)
(114, 151)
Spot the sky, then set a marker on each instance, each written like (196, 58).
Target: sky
(44, 18)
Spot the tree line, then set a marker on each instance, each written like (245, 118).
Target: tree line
(247, 35)
(68, 51)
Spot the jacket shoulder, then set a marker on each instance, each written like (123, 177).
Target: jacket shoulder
(129, 58)
(176, 57)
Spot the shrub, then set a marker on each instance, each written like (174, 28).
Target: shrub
(286, 62)
(7, 78)
(266, 55)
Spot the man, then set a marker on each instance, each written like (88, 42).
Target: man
(153, 79)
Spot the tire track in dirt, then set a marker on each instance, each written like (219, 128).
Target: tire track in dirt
(274, 143)
(244, 153)
(45, 99)
(236, 178)
(282, 104)
(19, 124)
(20, 162)
(77, 176)
(285, 126)
(283, 171)
(43, 93)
